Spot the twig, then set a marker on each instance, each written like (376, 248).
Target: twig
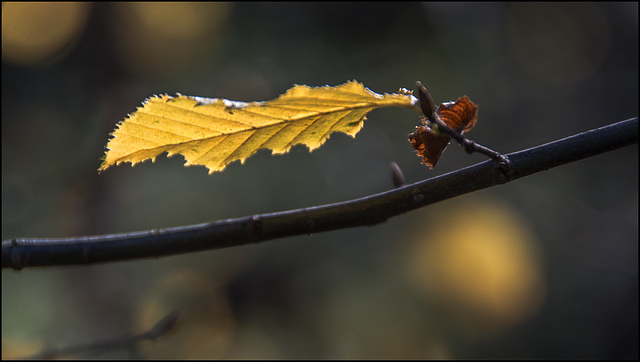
(162, 327)
(370, 210)
(430, 111)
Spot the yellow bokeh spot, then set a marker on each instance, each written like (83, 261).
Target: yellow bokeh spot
(181, 20)
(479, 263)
(33, 33)
(169, 39)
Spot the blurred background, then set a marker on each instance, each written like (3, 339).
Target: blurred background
(543, 267)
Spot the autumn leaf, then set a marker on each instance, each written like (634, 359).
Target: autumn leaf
(460, 116)
(215, 132)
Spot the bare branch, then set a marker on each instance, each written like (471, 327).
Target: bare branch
(366, 211)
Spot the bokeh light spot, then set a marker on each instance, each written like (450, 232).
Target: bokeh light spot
(168, 39)
(478, 262)
(33, 33)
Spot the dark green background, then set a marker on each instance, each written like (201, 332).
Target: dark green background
(538, 72)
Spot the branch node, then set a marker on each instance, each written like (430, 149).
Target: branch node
(16, 256)
(256, 228)
(505, 166)
(469, 145)
(417, 197)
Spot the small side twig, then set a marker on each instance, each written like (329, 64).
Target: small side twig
(396, 175)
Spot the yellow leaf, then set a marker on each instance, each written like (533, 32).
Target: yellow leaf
(214, 132)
